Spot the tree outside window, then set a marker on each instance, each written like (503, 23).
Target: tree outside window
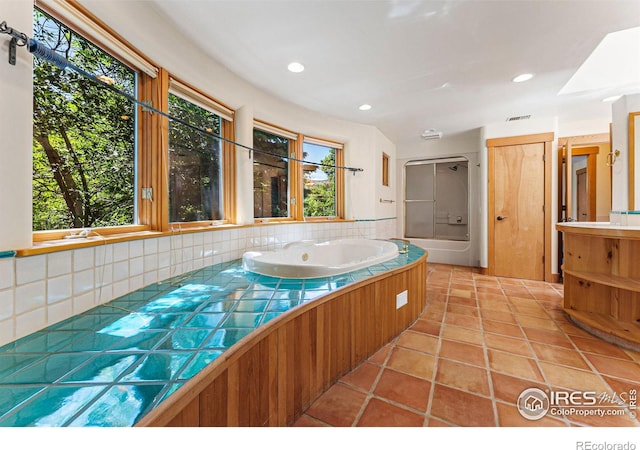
(270, 175)
(194, 163)
(319, 180)
(84, 135)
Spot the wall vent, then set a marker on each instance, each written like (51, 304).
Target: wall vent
(514, 118)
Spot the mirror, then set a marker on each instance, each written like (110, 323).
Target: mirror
(634, 143)
(584, 185)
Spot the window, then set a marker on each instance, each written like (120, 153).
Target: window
(84, 135)
(195, 163)
(100, 158)
(270, 174)
(385, 169)
(319, 180)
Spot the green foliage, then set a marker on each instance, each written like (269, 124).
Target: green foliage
(194, 162)
(270, 175)
(84, 136)
(320, 197)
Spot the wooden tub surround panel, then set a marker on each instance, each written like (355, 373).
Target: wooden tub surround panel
(273, 375)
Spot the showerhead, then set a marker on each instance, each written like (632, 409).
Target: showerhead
(454, 168)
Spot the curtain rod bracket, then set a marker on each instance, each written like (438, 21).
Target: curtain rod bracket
(12, 51)
(18, 39)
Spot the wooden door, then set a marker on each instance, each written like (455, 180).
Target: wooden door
(582, 195)
(518, 194)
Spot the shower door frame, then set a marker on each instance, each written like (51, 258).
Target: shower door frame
(434, 161)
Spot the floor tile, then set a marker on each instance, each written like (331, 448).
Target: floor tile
(559, 355)
(338, 407)
(594, 345)
(508, 388)
(418, 341)
(629, 370)
(405, 389)
(467, 335)
(463, 376)
(459, 351)
(508, 416)
(570, 378)
(411, 362)
(379, 413)
(381, 355)
(308, 421)
(514, 365)
(551, 337)
(362, 376)
(427, 327)
(462, 408)
(508, 344)
(480, 342)
(462, 320)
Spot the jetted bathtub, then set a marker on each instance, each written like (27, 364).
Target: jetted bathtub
(310, 259)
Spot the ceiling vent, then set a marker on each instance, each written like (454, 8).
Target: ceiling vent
(514, 118)
(431, 134)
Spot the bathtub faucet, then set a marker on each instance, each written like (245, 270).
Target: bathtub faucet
(405, 246)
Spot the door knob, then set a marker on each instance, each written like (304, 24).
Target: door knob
(500, 218)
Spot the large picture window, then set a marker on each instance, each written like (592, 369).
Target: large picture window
(84, 136)
(195, 163)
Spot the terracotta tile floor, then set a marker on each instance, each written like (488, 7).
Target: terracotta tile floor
(479, 343)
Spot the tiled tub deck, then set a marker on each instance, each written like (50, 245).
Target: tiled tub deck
(115, 363)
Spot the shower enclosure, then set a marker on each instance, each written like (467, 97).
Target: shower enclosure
(436, 200)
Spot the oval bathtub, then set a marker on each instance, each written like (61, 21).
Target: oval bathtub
(308, 259)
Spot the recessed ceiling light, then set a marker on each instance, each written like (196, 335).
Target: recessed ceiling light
(295, 67)
(613, 98)
(364, 107)
(523, 77)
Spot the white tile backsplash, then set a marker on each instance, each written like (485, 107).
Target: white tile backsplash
(6, 304)
(121, 251)
(59, 263)
(31, 269)
(31, 321)
(135, 249)
(59, 288)
(83, 281)
(83, 258)
(30, 297)
(7, 272)
(41, 290)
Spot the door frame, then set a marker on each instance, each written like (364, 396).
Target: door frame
(586, 193)
(546, 139)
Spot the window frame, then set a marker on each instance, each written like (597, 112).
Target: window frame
(198, 97)
(338, 179)
(151, 150)
(293, 183)
(80, 21)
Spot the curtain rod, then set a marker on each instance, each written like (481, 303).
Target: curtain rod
(19, 39)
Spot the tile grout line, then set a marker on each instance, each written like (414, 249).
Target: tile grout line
(485, 352)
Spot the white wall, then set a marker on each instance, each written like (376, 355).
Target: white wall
(15, 129)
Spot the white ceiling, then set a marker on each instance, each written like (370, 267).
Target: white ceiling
(445, 65)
